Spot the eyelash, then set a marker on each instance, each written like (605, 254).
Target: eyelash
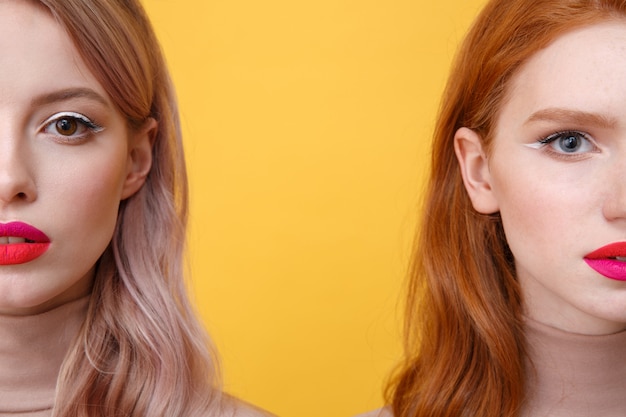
(83, 123)
(554, 137)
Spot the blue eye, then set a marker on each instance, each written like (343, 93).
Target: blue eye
(70, 125)
(569, 142)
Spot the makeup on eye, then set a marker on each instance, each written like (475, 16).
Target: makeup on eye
(566, 142)
(569, 141)
(70, 126)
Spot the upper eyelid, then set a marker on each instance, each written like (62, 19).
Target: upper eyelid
(88, 128)
(74, 115)
(545, 145)
(554, 136)
(545, 140)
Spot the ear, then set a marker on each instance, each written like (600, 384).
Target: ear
(139, 157)
(475, 170)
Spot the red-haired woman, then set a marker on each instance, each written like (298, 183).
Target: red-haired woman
(517, 296)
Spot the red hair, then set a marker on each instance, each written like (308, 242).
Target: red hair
(464, 343)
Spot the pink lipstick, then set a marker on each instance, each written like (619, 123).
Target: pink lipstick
(609, 260)
(21, 243)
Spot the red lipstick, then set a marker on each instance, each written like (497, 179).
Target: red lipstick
(609, 260)
(21, 243)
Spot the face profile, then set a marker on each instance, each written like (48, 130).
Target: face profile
(67, 159)
(554, 173)
(95, 317)
(516, 302)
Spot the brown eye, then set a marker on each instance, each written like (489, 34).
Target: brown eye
(70, 127)
(66, 126)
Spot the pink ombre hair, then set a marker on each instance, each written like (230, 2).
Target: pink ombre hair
(141, 351)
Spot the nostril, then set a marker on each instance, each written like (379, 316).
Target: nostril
(21, 196)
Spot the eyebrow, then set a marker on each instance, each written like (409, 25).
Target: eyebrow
(572, 116)
(68, 94)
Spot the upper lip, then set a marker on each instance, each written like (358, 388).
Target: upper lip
(612, 250)
(24, 230)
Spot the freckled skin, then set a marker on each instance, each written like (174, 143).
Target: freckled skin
(562, 200)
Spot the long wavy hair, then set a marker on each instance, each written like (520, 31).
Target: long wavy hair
(141, 351)
(464, 342)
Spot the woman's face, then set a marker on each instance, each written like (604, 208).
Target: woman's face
(66, 161)
(557, 175)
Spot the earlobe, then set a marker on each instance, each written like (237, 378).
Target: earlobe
(139, 157)
(475, 170)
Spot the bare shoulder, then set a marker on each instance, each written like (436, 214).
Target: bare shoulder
(233, 407)
(381, 412)
(248, 410)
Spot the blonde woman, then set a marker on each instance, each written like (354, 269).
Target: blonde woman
(94, 319)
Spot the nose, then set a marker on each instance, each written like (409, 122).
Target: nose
(16, 180)
(614, 207)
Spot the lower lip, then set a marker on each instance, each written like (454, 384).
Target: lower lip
(20, 253)
(610, 268)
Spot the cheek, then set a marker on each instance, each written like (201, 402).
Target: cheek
(543, 213)
(528, 223)
(91, 195)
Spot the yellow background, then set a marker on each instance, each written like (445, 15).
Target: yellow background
(307, 127)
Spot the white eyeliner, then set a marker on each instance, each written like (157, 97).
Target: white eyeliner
(536, 145)
(84, 119)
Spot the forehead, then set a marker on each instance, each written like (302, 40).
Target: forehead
(587, 42)
(37, 53)
(584, 69)
(36, 22)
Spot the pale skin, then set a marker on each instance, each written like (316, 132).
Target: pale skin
(382, 412)
(561, 200)
(68, 185)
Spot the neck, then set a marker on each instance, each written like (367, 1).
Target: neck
(32, 349)
(574, 375)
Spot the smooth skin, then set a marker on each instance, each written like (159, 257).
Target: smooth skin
(562, 199)
(57, 173)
